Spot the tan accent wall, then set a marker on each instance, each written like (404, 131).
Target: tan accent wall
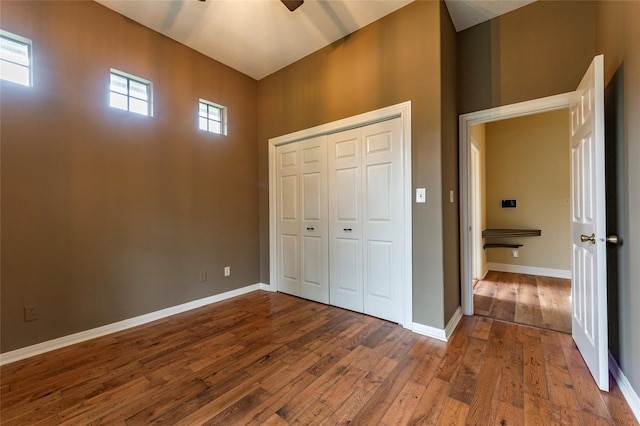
(528, 159)
(618, 37)
(395, 59)
(107, 215)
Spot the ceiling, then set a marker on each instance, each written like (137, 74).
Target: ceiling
(259, 37)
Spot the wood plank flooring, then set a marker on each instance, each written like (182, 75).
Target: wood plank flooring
(272, 359)
(525, 299)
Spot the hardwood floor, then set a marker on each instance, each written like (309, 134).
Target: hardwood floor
(525, 299)
(269, 358)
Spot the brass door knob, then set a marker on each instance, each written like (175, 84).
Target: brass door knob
(585, 238)
(613, 239)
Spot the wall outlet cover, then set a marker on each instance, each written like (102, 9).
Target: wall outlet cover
(31, 313)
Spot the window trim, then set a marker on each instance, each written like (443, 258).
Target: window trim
(137, 79)
(29, 43)
(223, 117)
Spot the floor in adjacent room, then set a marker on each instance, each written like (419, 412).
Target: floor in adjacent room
(533, 300)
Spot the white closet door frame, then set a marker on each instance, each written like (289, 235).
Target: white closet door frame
(402, 110)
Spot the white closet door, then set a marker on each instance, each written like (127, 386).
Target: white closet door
(366, 219)
(345, 229)
(383, 219)
(287, 209)
(314, 261)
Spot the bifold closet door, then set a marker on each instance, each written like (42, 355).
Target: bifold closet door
(302, 241)
(383, 219)
(366, 219)
(288, 224)
(345, 227)
(314, 231)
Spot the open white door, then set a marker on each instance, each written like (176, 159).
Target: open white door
(588, 220)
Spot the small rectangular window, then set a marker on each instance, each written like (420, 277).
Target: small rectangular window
(130, 93)
(15, 58)
(212, 117)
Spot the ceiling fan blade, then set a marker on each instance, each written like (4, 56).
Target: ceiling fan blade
(292, 4)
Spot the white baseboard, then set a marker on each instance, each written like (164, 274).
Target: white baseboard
(453, 322)
(529, 270)
(485, 271)
(625, 387)
(438, 333)
(40, 348)
(267, 287)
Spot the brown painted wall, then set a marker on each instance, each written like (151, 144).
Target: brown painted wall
(618, 37)
(106, 214)
(450, 170)
(393, 60)
(539, 50)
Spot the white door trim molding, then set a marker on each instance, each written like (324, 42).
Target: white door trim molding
(402, 110)
(551, 103)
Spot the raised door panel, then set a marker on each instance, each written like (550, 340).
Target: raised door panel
(379, 269)
(379, 193)
(313, 262)
(289, 198)
(346, 192)
(289, 265)
(312, 205)
(347, 270)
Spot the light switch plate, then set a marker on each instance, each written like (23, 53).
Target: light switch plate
(421, 195)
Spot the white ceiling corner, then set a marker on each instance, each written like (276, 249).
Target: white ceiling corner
(467, 13)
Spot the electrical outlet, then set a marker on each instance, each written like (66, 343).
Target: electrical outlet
(203, 276)
(31, 313)
(227, 271)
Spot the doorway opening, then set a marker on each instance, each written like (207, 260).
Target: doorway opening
(520, 181)
(469, 206)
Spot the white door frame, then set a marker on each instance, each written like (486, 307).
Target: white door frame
(477, 268)
(551, 103)
(402, 110)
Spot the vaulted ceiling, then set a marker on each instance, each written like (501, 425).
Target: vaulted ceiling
(259, 37)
